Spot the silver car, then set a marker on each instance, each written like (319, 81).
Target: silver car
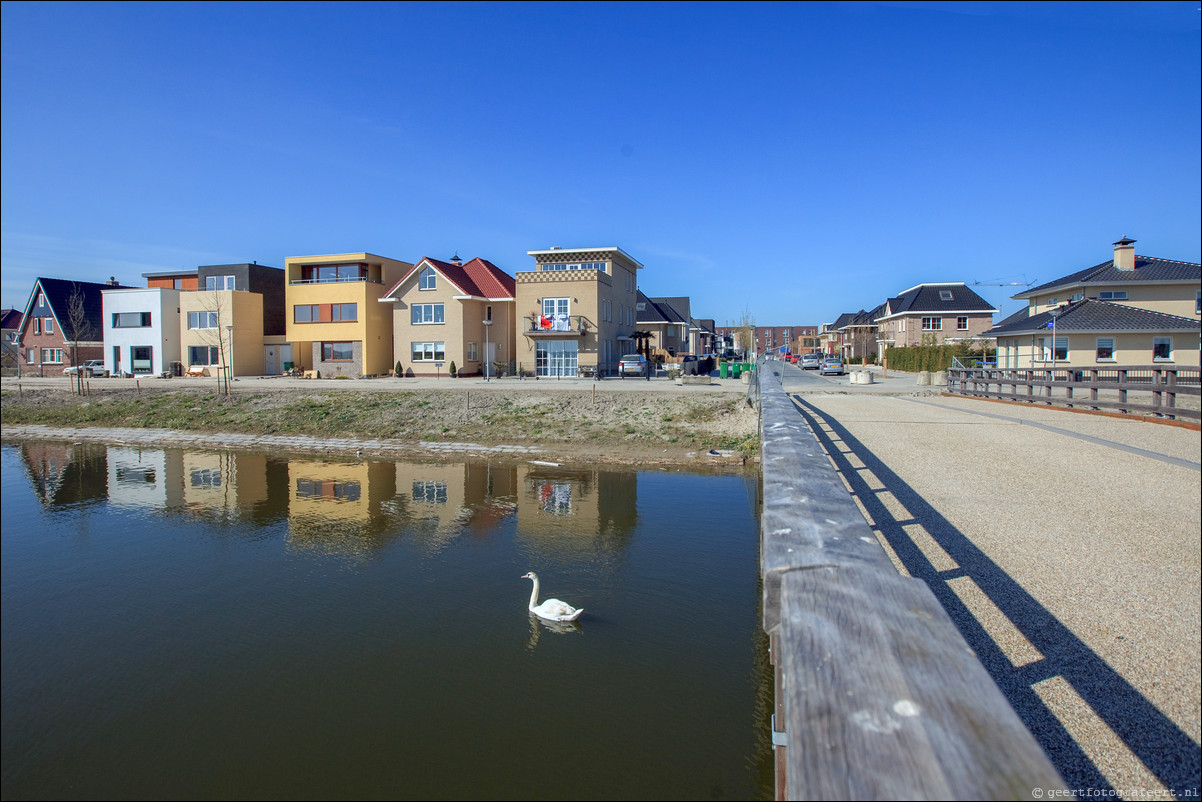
(832, 364)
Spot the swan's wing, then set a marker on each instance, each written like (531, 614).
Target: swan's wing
(556, 609)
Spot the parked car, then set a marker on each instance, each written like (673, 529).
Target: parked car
(632, 365)
(811, 361)
(93, 367)
(832, 364)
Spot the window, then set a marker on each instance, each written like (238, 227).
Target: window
(37, 325)
(324, 274)
(1051, 302)
(473, 352)
(421, 314)
(556, 357)
(49, 327)
(427, 280)
(203, 355)
(962, 323)
(1105, 351)
(1162, 349)
(1076, 296)
(142, 356)
(556, 306)
(945, 295)
(219, 282)
(1198, 302)
(1061, 348)
(206, 477)
(337, 352)
(328, 490)
(131, 320)
(202, 320)
(344, 312)
(576, 266)
(1112, 295)
(428, 352)
(52, 356)
(306, 313)
(932, 324)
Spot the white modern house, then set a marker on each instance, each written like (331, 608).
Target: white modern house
(141, 331)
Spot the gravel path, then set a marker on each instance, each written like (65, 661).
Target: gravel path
(1070, 562)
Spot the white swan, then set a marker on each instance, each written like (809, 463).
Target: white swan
(551, 609)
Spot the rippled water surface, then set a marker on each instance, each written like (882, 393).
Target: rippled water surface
(226, 625)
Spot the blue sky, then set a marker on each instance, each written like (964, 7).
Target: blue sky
(791, 161)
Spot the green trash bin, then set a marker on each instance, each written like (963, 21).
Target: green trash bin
(737, 370)
(724, 370)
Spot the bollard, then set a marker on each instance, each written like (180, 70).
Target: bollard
(939, 378)
(924, 377)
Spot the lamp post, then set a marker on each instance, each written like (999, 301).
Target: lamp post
(487, 324)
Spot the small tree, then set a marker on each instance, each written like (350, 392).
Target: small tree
(454, 372)
(399, 372)
(745, 332)
(77, 327)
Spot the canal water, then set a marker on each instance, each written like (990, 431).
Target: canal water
(220, 625)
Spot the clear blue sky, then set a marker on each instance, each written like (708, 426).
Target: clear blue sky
(792, 160)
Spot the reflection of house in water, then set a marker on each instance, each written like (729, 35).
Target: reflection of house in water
(576, 509)
(65, 474)
(340, 507)
(147, 478)
(231, 485)
(438, 501)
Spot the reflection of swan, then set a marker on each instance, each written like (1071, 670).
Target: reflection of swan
(537, 625)
(551, 609)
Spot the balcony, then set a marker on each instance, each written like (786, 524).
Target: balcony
(338, 280)
(550, 326)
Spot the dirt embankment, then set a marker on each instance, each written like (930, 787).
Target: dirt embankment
(611, 424)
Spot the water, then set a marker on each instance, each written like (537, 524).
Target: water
(234, 626)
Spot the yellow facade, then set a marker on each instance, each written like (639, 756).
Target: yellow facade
(357, 347)
(241, 346)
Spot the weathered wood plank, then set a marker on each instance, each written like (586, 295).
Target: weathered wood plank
(886, 700)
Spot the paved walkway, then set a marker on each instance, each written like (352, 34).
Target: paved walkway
(1066, 548)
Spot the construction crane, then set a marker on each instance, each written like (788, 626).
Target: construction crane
(1027, 284)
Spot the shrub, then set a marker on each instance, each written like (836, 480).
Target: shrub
(453, 370)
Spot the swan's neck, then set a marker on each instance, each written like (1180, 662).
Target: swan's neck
(534, 594)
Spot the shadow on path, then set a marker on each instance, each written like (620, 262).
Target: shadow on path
(1164, 748)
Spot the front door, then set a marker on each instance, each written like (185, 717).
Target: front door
(269, 361)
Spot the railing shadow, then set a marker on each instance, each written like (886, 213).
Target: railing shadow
(1164, 748)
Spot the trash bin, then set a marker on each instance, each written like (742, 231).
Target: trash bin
(724, 370)
(738, 369)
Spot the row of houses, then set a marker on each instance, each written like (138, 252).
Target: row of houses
(1128, 310)
(577, 311)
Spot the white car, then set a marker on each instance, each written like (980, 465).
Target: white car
(93, 367)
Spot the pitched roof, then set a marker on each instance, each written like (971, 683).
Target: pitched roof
(940, 298)
(1147, 269)
(58, 291)
(1090, 316)
(11, 319)
(657, 310)
(479, 278)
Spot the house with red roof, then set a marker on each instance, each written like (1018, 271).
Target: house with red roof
(461, 312)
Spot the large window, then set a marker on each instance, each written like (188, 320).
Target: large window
(932, 324)
(131, 320)
(344, 312)
(337, 352)
(202, 320)
(1112, 295)
(219, 282)
(428, 280)
(1105, 352)
(426, 313)
(1061, 348)
(52, 356)
(428, 352)
(556, 357)
(1162, 349)
(203, 355)
(306, 313)
(325, 313)
(324, 274)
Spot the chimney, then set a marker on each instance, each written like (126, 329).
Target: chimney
(112, 282)
(1124, 254)
(455, 260)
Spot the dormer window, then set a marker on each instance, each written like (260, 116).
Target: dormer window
(426, 280)
(945, 295)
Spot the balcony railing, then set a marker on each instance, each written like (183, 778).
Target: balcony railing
(556, 325)
(334, 280)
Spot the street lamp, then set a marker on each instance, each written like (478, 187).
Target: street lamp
(487, 324)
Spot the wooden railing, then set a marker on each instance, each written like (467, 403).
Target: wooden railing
(1158, 390)
(878, 696)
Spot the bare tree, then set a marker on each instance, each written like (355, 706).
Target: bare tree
(745, 331)
(213, 334)
(75, 328)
